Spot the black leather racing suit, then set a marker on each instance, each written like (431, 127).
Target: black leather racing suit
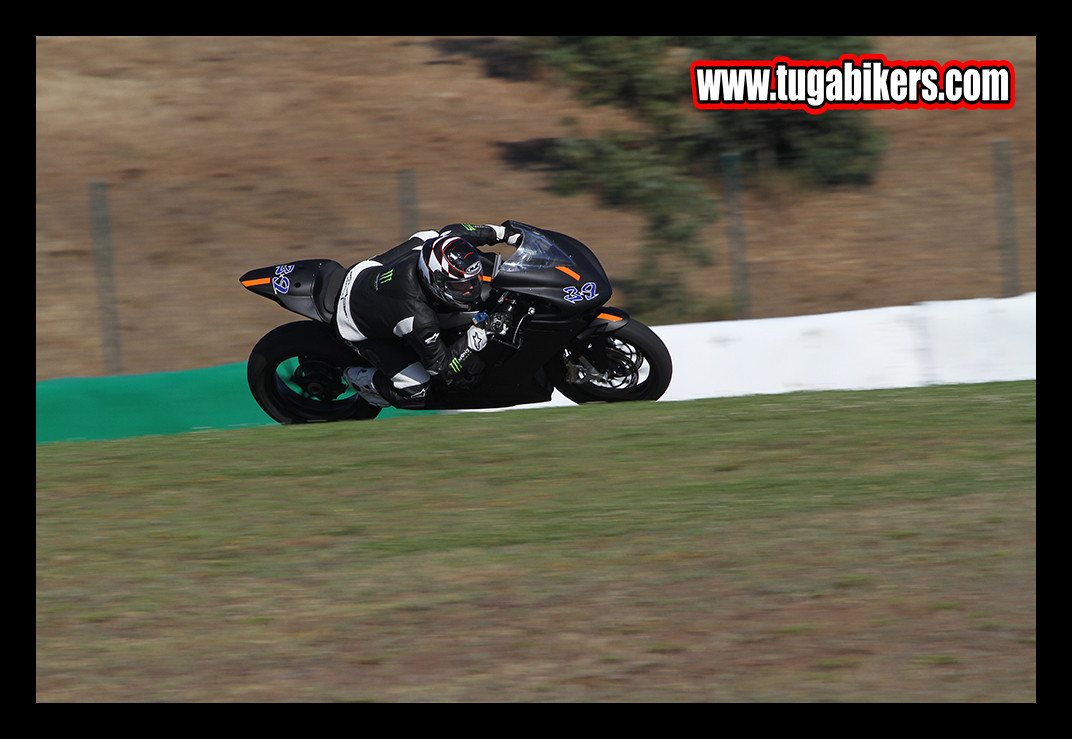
(389, 318)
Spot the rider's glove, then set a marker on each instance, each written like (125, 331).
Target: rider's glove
(507, 235)
(477, 335)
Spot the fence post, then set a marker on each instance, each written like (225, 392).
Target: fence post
(1006, 215)
(407, 202)
(731, 187)
(102, 255)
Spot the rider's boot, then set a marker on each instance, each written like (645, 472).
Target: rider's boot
(360, 379)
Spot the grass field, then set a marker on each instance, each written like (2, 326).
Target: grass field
(838, 546)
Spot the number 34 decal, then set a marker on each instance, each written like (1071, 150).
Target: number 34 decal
(587, 292)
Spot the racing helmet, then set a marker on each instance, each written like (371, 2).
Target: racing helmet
(451, 270)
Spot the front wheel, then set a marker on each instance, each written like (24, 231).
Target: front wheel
(630, 363)
(295, 374)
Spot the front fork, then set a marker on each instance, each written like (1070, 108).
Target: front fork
(589, 350)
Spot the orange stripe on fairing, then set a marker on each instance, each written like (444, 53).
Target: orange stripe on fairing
(570, 272)
(253, 283)
(609, 317)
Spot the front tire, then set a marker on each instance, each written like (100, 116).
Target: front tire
(629, 363)
(295, 375)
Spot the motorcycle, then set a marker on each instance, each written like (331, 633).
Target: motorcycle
(545, 311)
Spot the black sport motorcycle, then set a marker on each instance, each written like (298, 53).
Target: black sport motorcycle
(545, 313)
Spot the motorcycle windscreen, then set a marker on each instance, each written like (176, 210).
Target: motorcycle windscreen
(538, 253)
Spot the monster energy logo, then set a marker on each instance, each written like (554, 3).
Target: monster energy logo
(385, 277)
(456, 363)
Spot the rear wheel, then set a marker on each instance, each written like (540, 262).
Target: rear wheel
(630, 363)
(295, 375)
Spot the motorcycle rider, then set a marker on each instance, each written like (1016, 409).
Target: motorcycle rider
(388, 312)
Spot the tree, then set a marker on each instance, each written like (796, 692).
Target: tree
(663, 165)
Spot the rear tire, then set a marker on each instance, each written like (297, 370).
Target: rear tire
(630, 363)
(295, 375)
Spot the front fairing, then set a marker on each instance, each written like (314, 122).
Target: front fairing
(555, 268)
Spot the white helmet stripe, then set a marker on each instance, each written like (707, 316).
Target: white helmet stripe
(446, 266)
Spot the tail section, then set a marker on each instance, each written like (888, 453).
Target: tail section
(308, 287)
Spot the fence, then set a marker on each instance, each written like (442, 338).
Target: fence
(140, 276)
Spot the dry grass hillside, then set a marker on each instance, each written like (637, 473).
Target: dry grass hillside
(226, 153)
